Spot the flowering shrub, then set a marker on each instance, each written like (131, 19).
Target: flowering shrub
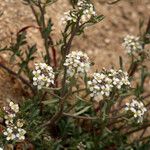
(70, 108)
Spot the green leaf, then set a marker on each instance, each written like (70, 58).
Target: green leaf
(50, 102)
(104, 109)
(121, 62)
(47, 30)
(82, 111)
(1, 113)
(36, 136)
(81, 99)
(109, 131)
(141, 23)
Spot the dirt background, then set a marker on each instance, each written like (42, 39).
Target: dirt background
(101, 41)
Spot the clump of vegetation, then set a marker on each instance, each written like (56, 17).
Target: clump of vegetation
(70, 108)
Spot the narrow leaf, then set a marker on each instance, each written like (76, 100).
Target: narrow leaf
(82, 111)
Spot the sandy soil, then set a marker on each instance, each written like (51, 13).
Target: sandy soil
(101, 41)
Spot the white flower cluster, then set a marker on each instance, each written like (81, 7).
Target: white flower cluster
(88, 10)
(137, 109)
(132, 44)
(83, 7)
(119, 78)
(14, 130)
(69, 16)
(102, 84)
(1, 148)
(81, 146)
(43, 75)
(77, 63)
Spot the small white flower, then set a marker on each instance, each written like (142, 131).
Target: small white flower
(132, 44)
(14, 107)
(69, 16)
(20, 123)
(43, 75)
(81, 146)
(137, 109)
(9, 116)
(1, 148)
(21, 134)
(9, 134)
(77, 63)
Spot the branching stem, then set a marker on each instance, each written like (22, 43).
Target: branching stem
(18, 76)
